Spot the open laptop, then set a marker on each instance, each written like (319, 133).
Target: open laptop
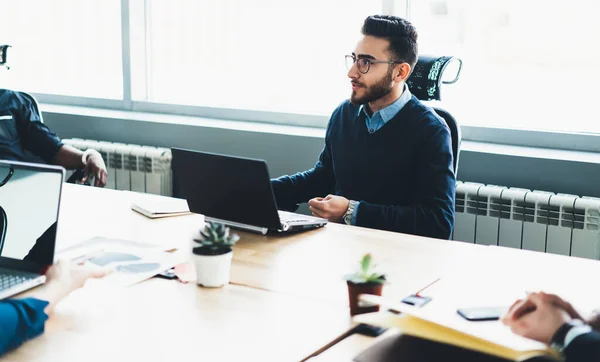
(234, 191)
(29, 204)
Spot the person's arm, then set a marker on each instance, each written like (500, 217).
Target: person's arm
(68, 157)
(38, 139)
(20, 320)
(432, 213)
(34, 135)
(585, 347)
(23, 319)
(72, 158)
(319, 181)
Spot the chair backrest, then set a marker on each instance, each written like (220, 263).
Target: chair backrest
(454, 134)
(3, 54)
(425, 83)
(3, 217)
(3, 224)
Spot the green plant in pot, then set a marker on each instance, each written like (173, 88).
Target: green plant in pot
(364, 281)
(213, 252)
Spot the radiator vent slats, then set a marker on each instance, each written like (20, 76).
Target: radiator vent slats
(132, 167)
(525, 219)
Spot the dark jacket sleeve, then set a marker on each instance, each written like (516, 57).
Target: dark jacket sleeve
(35, 136)
(319, 181)
(432, 213)
(20, 320)
(584, 348)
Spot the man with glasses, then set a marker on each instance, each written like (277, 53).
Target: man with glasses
(387, 160)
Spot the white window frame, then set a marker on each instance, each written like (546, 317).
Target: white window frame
(530, 138)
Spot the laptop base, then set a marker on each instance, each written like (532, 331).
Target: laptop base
(285, 228)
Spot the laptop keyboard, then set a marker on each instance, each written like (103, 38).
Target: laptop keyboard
(293, 218)
(9, 278)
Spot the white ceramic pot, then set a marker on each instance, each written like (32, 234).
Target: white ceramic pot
(213, 270)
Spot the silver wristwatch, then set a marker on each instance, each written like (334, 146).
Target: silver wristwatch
(349, 212)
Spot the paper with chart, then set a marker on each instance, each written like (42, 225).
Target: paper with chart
(130, 261)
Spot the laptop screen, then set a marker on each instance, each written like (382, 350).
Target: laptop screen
(29, 203)
(226, 187)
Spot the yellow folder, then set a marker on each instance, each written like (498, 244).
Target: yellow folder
(486, 338)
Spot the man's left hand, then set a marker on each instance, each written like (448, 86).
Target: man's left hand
(331, 207)
(95, 166)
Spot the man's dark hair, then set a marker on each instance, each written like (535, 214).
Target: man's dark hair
(401, 34)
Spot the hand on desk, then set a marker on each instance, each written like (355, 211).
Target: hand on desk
(62, 278)
(539, 316)
(331, 207)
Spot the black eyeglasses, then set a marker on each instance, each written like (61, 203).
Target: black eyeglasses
(364, 64)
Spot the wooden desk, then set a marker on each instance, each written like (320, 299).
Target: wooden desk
(164, 320)
(310, 264)
(314, 263)
(287, 297)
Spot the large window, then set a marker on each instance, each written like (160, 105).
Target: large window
(270, 55)
(64, 47)
(528, 64)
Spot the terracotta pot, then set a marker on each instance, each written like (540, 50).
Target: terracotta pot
(354, 290)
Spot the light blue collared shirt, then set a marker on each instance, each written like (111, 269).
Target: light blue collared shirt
(380, 118)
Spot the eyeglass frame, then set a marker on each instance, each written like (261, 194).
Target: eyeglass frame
(370, 61)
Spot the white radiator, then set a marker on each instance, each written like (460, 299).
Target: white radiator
(133, 167)
(524, 219)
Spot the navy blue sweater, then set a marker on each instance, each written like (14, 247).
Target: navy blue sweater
(402, 174)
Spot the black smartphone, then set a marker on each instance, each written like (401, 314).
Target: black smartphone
(167, 274)
(482, 313)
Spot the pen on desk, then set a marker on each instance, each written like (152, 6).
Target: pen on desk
(418, 293)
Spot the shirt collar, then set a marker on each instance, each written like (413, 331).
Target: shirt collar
(392, 110)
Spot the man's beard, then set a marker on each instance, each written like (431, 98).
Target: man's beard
(382, 88)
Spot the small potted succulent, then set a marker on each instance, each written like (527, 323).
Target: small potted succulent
(364, 281)
(213, 253)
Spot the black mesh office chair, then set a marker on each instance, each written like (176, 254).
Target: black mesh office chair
(3, 51)
(425, 82)
(3, 217)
